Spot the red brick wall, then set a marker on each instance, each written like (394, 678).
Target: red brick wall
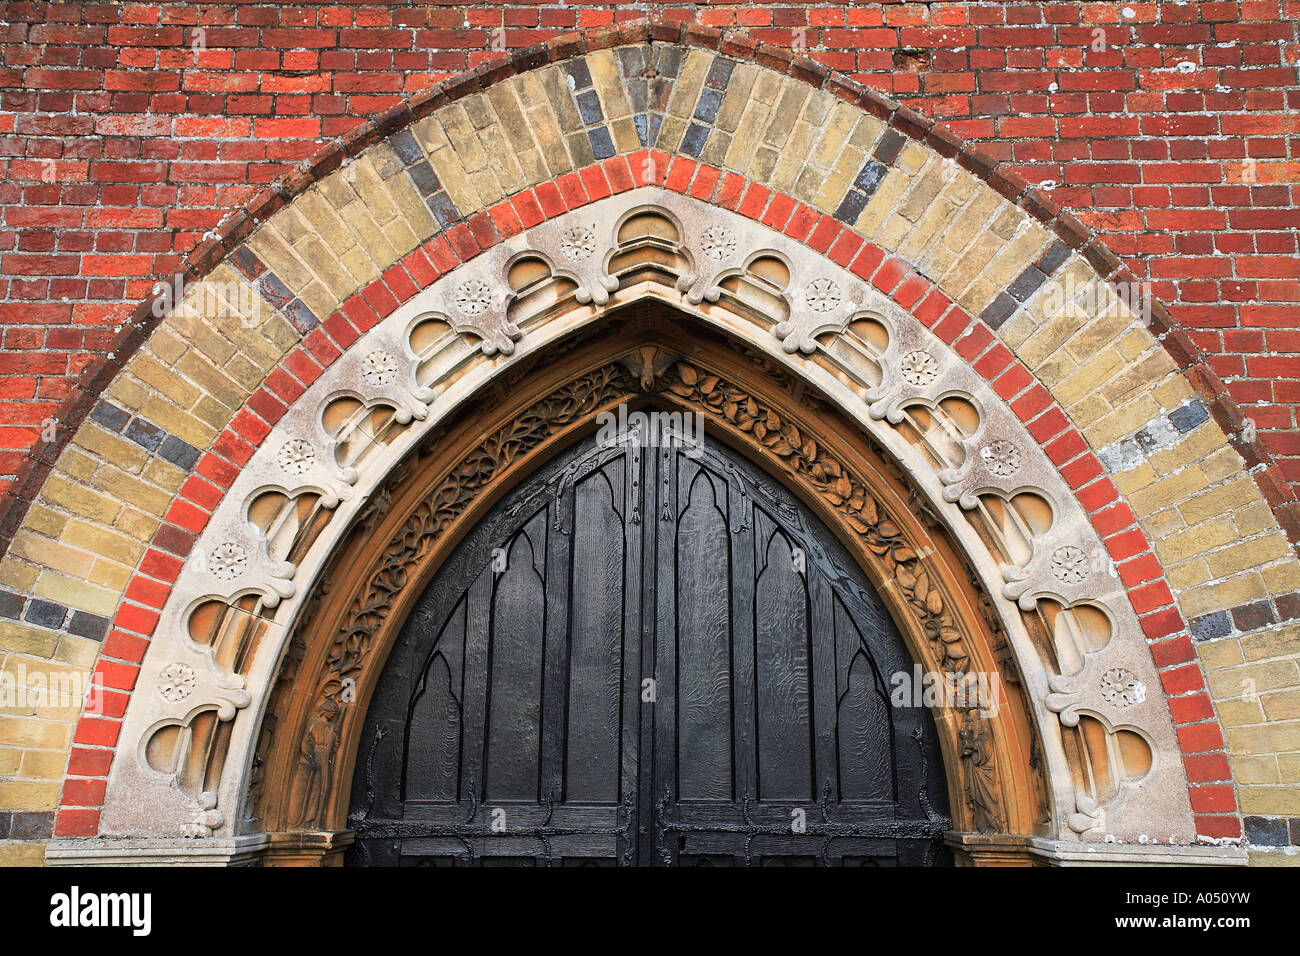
(126, 133)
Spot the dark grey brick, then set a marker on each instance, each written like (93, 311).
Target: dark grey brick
(1294, 826)
(869, 176)
(577, 69)
(655, 123)
(706, 109)
(642, 124)
(45, 613)
(180, 453)
(406, 148)
(890, 145)
(90, 626)
(601, 145)
(246, 261)
(999, 310)
(4, 824)
(638, 95)
(145, 434)
(1054, 257)
(1211, 626)
(443, 208)
(668, 59)
(1186, 417)
(1026, 284)
(424, 179)
(1267, 831)
(694, 140)
(851, 206)
(719, 73)
(110, 416)
(11, 605)
(31, 825)
(300, 316)
(632, 60)
(589, 108)
(275, 291)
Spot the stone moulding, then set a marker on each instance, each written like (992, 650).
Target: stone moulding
(413, 388)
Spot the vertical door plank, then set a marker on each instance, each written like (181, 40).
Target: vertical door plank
(433, 730)
(515, 671)
(703, 679)
(744, 532)
(596, 644)
(821, 616)
(478, 638)
(785, 770)
(866, 739)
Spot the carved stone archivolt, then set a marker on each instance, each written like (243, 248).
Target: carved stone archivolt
(472, 340)
(913, 584)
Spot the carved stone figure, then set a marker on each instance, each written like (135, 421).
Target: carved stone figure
(980, 775)
(315, 761)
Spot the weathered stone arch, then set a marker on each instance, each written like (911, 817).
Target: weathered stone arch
(961, 262)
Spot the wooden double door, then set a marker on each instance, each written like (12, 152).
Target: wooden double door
(647, 654)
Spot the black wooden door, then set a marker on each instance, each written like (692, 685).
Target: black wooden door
(647, 655)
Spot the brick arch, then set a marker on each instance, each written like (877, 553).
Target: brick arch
(969, 336)
(977, 337)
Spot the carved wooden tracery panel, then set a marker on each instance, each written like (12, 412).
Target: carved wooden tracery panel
(1107, 739)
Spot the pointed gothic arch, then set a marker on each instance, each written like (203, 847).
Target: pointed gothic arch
(875, 261)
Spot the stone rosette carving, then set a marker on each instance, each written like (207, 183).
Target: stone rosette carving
(473, 297)
(1069, 565)
(718, 242)
(918, 368)
(823, 295)
(296, 456)
(1121, 688)
(227, 561)
(1001, 457)
(379, 368)
(176, 682)
(577, 243)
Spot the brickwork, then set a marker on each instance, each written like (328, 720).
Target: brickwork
(987, 266)
(130, 130)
